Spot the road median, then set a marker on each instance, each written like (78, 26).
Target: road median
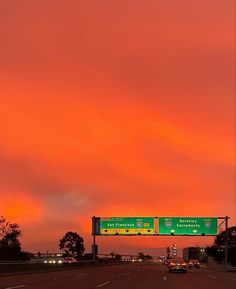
(20, 268)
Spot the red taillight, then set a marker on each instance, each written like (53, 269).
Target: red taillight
(172, 264)
(184, 264)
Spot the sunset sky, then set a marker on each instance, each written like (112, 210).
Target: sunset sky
(115, 108)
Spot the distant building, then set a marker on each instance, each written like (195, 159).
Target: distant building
(197, 253)
(47, 255)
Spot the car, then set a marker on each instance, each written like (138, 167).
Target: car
(194, 264)
(69, 260)
(166, 262)
(177, 265)
(52, 261)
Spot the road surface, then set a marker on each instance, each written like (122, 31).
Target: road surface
(130, 276)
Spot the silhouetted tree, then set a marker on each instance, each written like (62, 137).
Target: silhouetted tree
(232, 255)
(141, 256)
(168, 252)
(118, 257)
(231, 236)
(72, 244)
(148, 257)
(10, 247)
(217, 250)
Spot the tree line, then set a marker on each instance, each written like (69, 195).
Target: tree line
(72, 244)
(217, 250)
(10, 246)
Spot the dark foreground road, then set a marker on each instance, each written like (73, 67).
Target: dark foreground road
(128, 276)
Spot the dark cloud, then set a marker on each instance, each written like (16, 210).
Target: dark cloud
(21, 173)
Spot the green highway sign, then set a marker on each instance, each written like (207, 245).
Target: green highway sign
(127, 226)
(187, 226)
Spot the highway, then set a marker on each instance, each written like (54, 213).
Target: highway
(130, 276)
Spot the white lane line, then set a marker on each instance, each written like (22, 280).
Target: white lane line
(79, 275)
(211, 276)
(20, 286)
(105, 283)
(164, 278)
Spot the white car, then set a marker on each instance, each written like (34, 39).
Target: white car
(69, 260)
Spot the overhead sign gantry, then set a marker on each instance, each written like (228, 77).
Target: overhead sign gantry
(154, 226)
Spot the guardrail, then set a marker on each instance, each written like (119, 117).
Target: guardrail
(231, 268)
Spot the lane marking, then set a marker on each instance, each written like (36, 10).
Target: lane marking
(20, 286)
(164, 278)
(211, 276)
(105, 283)
(83, 274)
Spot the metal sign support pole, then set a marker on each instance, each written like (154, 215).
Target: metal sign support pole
(94, 247)
(226, 240)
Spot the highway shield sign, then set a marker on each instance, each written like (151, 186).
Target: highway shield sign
(187, 226)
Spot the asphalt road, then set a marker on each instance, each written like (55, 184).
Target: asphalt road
(130, 276)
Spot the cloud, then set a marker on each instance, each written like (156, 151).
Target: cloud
(119, 108)
(21, 207)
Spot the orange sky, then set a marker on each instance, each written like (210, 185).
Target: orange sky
(115, 108)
